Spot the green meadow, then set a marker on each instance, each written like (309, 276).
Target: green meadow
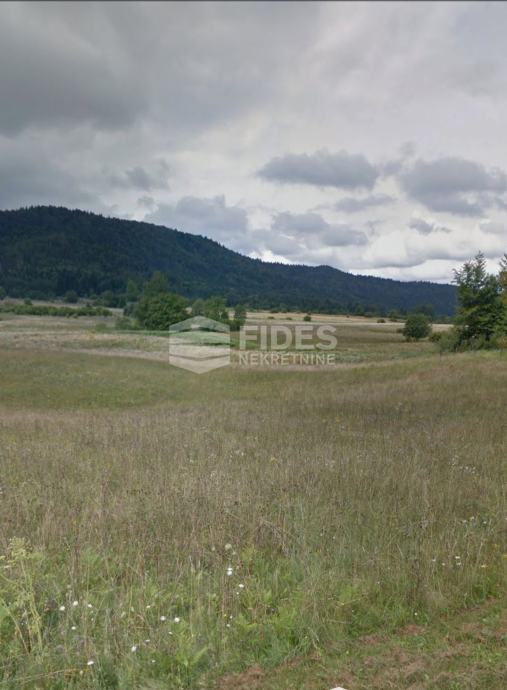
(274, 529)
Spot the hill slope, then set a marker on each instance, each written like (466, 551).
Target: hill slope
(46, 250)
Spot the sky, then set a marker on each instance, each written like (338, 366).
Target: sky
(371, 137)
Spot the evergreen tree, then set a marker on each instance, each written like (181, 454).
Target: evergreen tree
(198, 307)
(132, 291)
(239, 317)
(156, 285)
(480, 302)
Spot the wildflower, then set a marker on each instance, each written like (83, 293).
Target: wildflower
(241, 586)
(133, 648)
(62, 608)
(73, 627)
(75, 603)
(163, 618)
(229, 571)
(228, 547)
(89, 606)
(90, 663)
(148, 607)
(146, 641)
(177, 620)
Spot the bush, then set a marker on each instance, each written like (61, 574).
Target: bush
(125, 324)
(158, 312)
(449, 341)
(3, 293)
(381, 320)
(307, 317)
(71, 297)
(50, 310)
(417, 326)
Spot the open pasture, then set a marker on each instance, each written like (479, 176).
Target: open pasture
(250, 528)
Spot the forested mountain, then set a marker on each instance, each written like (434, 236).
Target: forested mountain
(46, 251)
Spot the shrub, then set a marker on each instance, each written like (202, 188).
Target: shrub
(307, 317)
(417, 326)
(125, 324)
(70, 297)
(448, 341)
(51, 310)
(160, 311)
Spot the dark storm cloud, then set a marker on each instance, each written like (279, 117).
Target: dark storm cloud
(355, 205)
(453, 185)
(322, 169)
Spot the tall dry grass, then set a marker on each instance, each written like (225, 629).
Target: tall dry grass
(163, 546)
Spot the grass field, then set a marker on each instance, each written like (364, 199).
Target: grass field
(270, 529)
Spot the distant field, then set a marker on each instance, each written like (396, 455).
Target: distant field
(359, 339)
(261, 529)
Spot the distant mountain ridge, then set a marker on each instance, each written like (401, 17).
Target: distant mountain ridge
(48, 250)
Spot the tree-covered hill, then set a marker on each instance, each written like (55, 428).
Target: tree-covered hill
(46, 251)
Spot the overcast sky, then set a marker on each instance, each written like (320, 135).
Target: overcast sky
(370, 137)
